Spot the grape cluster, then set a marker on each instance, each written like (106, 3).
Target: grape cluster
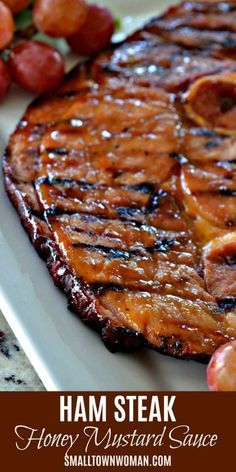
(36, 66)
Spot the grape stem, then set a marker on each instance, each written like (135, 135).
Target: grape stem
(25, 33)
(20, 35)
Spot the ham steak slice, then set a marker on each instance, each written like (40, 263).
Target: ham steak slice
(130, 202)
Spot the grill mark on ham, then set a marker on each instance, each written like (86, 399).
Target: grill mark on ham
(113, 253)
(132, 205)
(146, 188)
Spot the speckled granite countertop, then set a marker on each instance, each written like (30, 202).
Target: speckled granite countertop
(16, 372)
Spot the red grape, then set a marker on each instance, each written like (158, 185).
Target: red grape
(5, 80)
(96, 32)
(17, 5)
(221, 371)
(6, 25)
(36, 66)
(59, 18)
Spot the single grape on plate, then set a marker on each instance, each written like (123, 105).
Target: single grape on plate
(36, 66)
(96, 32)
(221, 371)
(6, 25)
(59, 18)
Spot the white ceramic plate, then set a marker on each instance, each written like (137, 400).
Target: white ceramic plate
(66, 354)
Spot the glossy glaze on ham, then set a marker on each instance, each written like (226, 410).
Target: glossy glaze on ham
(129, 200)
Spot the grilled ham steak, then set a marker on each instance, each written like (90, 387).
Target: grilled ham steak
(131, 203)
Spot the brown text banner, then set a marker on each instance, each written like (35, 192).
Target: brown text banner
(131, 431)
